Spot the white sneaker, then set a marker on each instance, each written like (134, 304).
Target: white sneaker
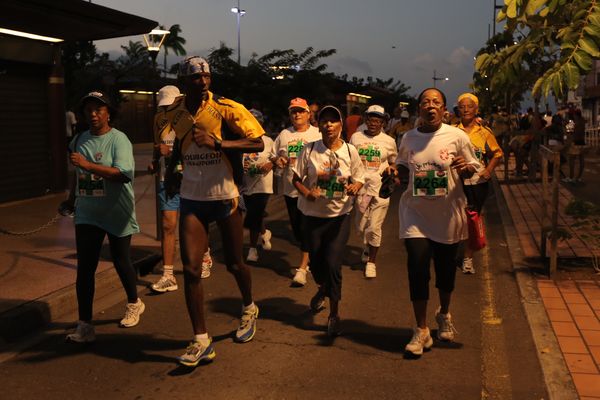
(467, 266)
(300, 277)
(446, 329)
(420, 341)
(132, 314)
(247, 328)
(370, 270)
(252, 255)
(265, 240)
(84, 333)
(364, 257)
(164, 284)
(206, 265)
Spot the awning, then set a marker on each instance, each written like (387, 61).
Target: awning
(70, 19)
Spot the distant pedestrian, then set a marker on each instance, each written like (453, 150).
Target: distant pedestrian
(257, 188)
(164, 136)
(433, 159)
(314, 111)
(488, 153)
(328, 174)
(377, 151)
(286, 149)
(103, 158)
(353, 122)
(71, 124)
(576, 148)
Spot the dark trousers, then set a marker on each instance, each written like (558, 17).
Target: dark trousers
(89, 239)
(420, 252)
(296, 220)
(327, 238)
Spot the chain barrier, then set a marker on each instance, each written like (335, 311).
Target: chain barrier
(53, 220)
(31, 232)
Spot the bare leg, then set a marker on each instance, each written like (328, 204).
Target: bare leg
(232, 234)
(444, 301)
(169, 224)
(373, 253)
(193, 235)
(304, 260)
(420, 310)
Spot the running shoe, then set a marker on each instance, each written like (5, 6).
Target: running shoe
(206, 264)
(317, 303)
(132, 314)
(299, 278)
(84, 333)
(467, 266)
(446, 329)
(252, 255)
(370, 270)
(265, 240)
(196, 353)
(164, 284)
(247, 328)
(420, 341)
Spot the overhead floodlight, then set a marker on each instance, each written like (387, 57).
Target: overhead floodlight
(155, 39)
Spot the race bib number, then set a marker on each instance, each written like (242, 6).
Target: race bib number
(430, 183)
(370, 156)
(294, 149)
(331, 187)
(90, 185)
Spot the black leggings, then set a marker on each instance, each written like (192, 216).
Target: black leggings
(476, 195)
(327, 238)
(420, 251)
(296, 220)
(89, 240)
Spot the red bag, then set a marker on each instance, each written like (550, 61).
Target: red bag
(476, 230)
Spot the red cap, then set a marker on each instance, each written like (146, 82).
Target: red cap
(298, 103)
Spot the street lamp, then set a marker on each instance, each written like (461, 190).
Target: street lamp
(154, 40)
(238, 13)
(438, 78)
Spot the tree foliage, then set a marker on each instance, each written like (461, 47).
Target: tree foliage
(556, 42)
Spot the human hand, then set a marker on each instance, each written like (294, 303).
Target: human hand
(353, 188)
(203, 138)
(313, 194)
(78, 160)
(485, 174)
(266, 167)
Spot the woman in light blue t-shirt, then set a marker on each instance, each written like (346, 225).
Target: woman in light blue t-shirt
(103, 160)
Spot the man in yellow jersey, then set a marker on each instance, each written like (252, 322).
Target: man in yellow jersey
(211, 151)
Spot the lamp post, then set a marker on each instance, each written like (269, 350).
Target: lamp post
(438, 78)
(154, 40)
(238, 13)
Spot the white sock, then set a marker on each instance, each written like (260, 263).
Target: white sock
(168, 271)
(202, 339)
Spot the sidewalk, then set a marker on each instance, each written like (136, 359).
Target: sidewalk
(38, 270)
(564, 312)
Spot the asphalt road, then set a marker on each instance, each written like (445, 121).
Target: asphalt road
(291, 357)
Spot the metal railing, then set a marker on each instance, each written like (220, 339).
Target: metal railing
(592, 137)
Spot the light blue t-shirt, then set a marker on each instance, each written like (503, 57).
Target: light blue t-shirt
(106, 204)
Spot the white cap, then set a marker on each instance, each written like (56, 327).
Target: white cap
(376, 109)
(193, 65)
(167, 95)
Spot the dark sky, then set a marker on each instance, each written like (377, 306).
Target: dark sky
(401, 39)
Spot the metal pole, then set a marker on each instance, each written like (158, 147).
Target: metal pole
(238, 32)
(158, 213)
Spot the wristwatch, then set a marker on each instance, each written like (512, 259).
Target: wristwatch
(218, 144)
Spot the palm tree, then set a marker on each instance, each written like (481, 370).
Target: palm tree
(173, 42)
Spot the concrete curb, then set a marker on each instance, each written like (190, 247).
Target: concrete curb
(557, 377)
(59, 306)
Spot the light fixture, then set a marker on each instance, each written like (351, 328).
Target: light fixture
(238, 13)
(155, 39)
(30, 35)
